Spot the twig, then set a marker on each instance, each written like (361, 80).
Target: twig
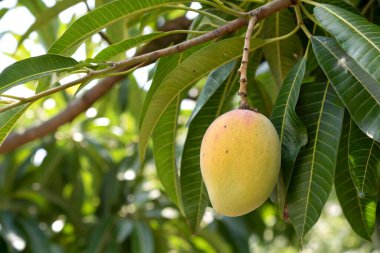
(244, 63)
(301, 23)
(77, 106)
(366, 7)
(103, 35)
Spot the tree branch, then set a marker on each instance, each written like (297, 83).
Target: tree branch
(76, 107)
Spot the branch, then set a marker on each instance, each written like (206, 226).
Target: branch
(76, 107)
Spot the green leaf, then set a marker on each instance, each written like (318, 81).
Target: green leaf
(102, 17)
(34, 68)
(357, 89)
(282, 54)
(291, 130)
(48, 15)
(3, 12)
(186, 74)
(142, 238)
(214, 81)
(9, 118)
(258, 93)
(164, 136)
(118, 48)
(358, 154)
(38, 241)
(340, 3)
(358, 37)
(194, 193)
(98, 238)
(10, 227)
(322, 112)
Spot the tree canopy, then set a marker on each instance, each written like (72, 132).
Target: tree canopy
(100, 135)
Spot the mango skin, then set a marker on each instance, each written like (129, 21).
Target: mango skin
(240, 161)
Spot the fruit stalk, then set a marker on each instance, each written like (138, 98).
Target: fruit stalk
(244, 64)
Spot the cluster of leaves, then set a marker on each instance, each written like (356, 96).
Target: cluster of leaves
(321, 91)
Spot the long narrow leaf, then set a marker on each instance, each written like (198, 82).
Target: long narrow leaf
(164, 136)
(48, 15)
(358, 207)
(118, 48)
(9, 118)
(358, 90)
(282, 54)
(291, 130)
(33, 68)
(311, 183)
(102, 17)
(356, 35)
(194, 192)
(187, 73)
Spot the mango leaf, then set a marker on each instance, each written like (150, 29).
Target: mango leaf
(34, 68)
(9, 118)
(282, 54)
(258, 96)
(291, 130)
(194, 193)
(186, 74)
(359, 208)
(99, 234)
(9, 226)
(355, 34)
(322, 112)
(38, 241)
(214, 81)
(102, 17)
(164, 135)
(120, 47)
(3, 12)
(339, 3)
(358, 90)
(48, 15)
(142, 238)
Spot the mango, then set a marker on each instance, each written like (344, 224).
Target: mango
(240, 160)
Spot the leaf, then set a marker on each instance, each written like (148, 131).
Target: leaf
(164, 136)
(258, 96)
(3, 11)
(33, 68)
(48, 15)
(358, 208)
(142, 238)
(282, 54)
(184, 75)
(194, 193)
(38, 241)
(10, 231)
(99, 235)
(9, 118)
(118, 48)
(291, 130)
(102, 17)
(358, 37)
(322, 112)
(357, 89)
(214, 81)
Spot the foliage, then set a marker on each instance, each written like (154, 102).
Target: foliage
(98, 184)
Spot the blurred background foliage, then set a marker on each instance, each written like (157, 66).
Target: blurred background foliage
(82, 188)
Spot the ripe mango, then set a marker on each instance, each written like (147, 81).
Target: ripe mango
(240, 161)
